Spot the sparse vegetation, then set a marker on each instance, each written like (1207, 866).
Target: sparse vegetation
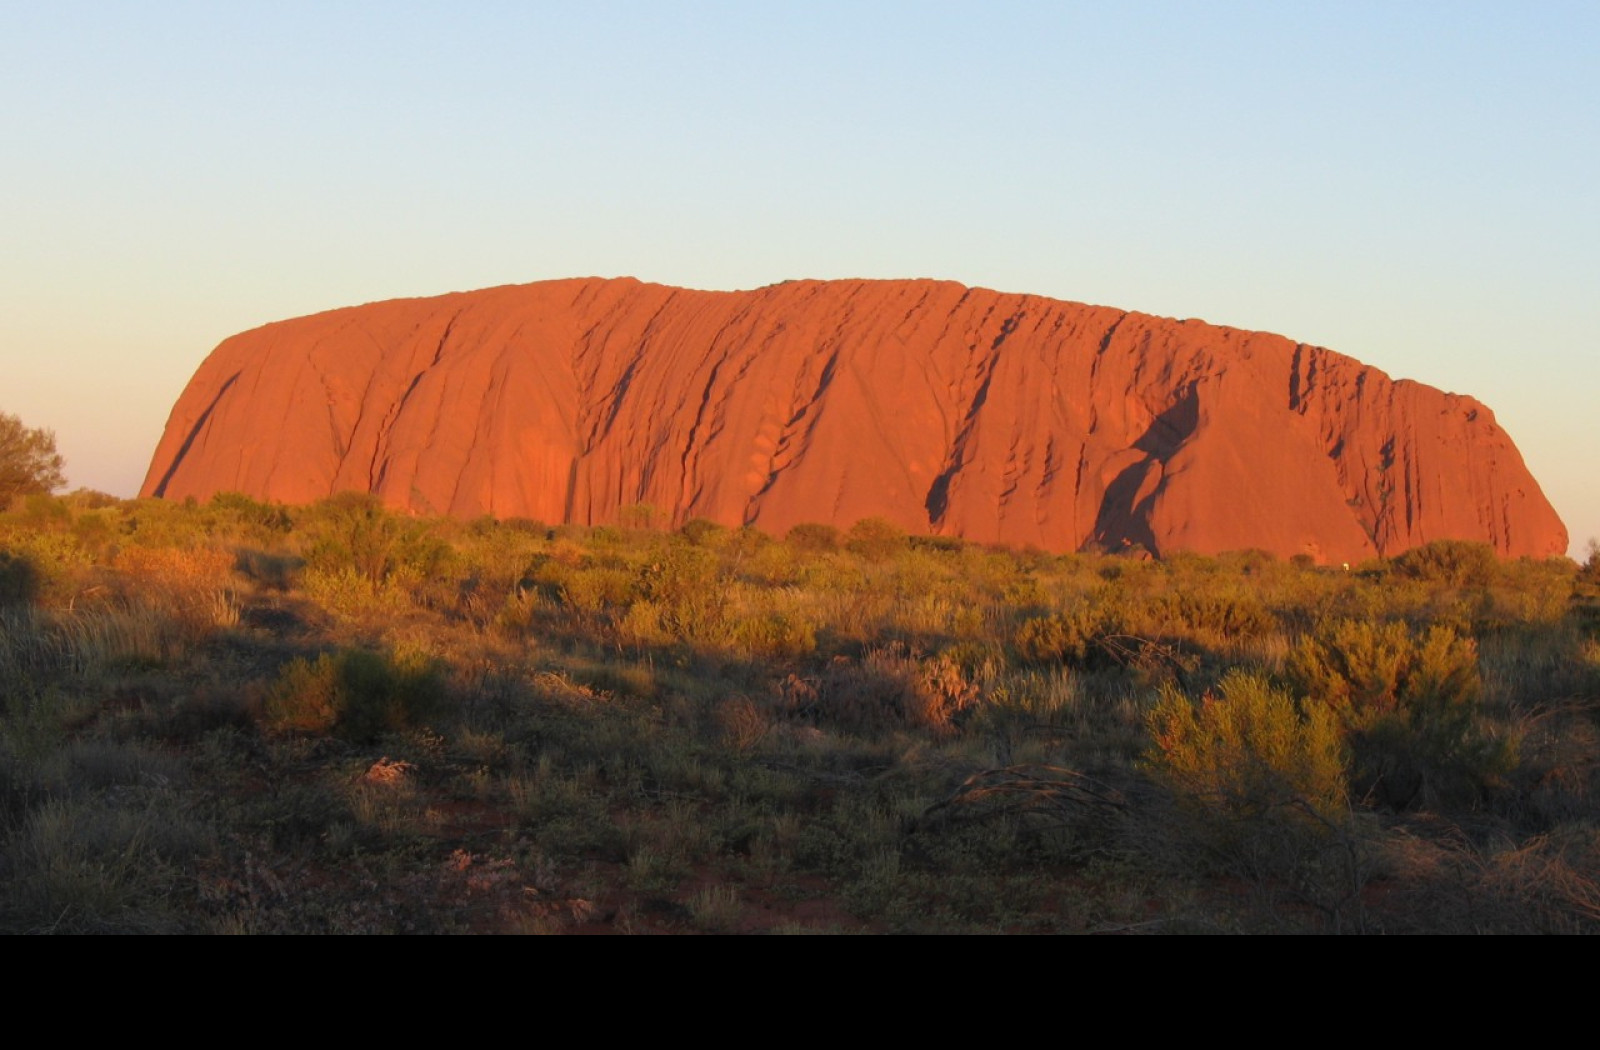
(237, 717)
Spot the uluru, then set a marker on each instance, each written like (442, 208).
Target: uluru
(947, 410)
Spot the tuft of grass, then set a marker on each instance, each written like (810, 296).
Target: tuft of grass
(716, 909)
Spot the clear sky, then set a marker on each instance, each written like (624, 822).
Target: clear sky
(1414, 184)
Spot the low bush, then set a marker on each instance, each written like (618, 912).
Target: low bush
(1067, 637)
(889, 688)
(1216, 615)
(703, 533)
(773, 635)
(357, 694)
(353, 531)
(689, 593)
(812, 538)
(278, 572)
(1411, 704)
(253, 519)
(876, 539)
(1259, 794)
(1248, 749)
(1457, 563)
(19, 580)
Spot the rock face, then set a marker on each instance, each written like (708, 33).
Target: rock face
(948, 410)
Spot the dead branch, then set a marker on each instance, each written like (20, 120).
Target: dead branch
(1030, 788)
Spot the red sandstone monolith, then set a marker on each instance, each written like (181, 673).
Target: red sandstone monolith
(945, 409)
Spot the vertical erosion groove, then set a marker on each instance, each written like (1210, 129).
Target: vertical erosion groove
(160, 490)
(937, 503)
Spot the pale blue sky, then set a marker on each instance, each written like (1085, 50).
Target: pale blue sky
(1414, 184)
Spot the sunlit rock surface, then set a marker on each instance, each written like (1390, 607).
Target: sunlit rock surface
(945, 409)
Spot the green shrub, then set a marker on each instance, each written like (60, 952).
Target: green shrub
(773, 565)
(640, 516)
(1586, 589)
(19, 580)
(1411, 704)
(703, 532)
(875, 539)
(357, 694)
(938, 544)
(1456, 563)
(773, 634)
(352, 530)
(890, 688)
(1248, 748)
(350, 595)
(278, 572)
(1260, 795)
(599, 589)
(1589, 574)
(689, 592)
(1214, 615)
(1066, 637)
(251, 517)
(812, 538)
